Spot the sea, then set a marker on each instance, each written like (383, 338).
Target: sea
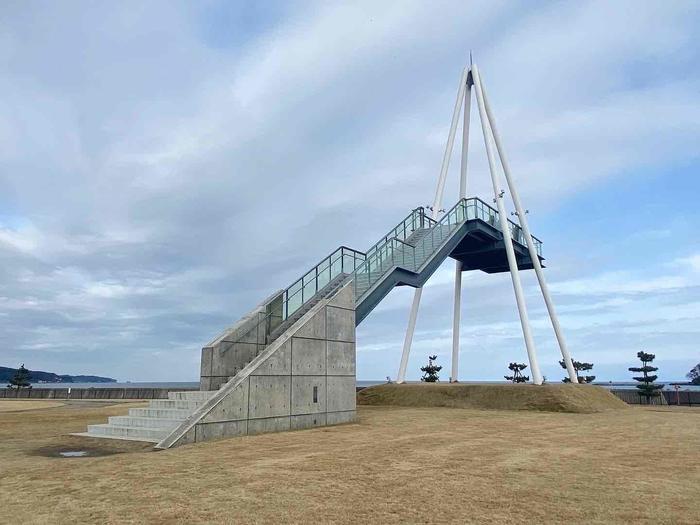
(617, 385)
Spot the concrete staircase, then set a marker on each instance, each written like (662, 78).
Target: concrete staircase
(153, 423)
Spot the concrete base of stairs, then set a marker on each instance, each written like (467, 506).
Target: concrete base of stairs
(150, 424)
(122, 438)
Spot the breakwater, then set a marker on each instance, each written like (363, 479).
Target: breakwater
(89, 393)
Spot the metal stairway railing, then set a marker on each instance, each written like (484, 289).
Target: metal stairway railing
(345, 260)
(319, 282)
(410, 245)
(399, 254)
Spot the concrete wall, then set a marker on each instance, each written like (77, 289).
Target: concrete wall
(305, 378)
(229, 353)
(88, 393)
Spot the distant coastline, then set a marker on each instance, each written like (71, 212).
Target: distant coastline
(38, 377)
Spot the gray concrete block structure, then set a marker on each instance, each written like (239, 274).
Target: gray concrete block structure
(305, 378)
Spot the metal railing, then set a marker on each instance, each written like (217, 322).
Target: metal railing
(391, 250)
(478, 209)
(396, 253)
(343, 260)
(346, 260)
(415, 220)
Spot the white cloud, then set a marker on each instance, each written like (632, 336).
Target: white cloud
(613, 283)
(168, 185)
(692, 261)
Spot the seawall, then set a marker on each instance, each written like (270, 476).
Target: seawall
(89, 393)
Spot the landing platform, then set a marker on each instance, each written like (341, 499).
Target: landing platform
(549, 398)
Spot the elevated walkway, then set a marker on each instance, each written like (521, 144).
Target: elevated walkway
(290, 362)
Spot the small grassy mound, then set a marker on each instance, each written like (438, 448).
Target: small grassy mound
(550, 398)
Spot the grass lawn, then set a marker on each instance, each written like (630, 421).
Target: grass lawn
(397, 465)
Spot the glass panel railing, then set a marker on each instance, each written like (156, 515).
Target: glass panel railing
(416, 220)
(393, 252)
(442, 230)
(478, 209)
(369, 267)
(342, 261)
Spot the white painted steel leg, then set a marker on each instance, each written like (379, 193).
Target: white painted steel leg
(456, 322)
(412, 317)
(458, 264)
(522, 216)
(465, 140)
(505, 230)
(437, 202)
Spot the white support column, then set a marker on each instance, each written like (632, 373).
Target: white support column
(530, 243)
(458, 264)
(437, 202)
(456, 320)
(505, 230)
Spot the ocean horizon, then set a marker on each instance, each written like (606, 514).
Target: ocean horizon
(360, 382)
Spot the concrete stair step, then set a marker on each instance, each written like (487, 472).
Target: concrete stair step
(175, 403)
(144, 422)
(194, 395)
(136, 433)
(161, 413)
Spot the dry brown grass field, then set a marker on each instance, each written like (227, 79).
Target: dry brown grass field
(396, 465)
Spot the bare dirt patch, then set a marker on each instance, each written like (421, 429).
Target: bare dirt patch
(74, 449)
(584, 399)
(397, 465)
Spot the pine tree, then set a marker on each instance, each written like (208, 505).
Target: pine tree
(694, 375)
(430, 370)
(517, 376)
(579, 367)
(20, 379)
(647, 388)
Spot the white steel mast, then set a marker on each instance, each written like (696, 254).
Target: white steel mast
(471, 78)
(522, 218)
(505, 231)
(458, 264)
(437, 203)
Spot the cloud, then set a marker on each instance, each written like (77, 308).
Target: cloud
(161, 172)
(691, 261)
(615, 283)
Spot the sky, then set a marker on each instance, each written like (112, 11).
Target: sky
(164, 166)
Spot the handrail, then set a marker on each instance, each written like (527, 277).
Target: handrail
(422, 218)
(301, 290)
(464, 210)
(346, 260)
(317, 277)
(402, 242)
(295, 294)
(537, 241)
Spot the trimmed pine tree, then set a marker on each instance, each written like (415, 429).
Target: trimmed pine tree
(20, 379)
(517, 369)
(647, 388)
(431, 370)
(579, 367)
(694, 375)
